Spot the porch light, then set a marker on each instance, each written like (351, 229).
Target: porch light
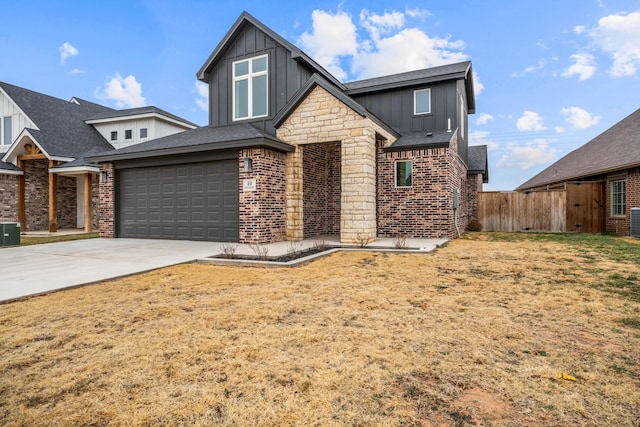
(248, 165)
(103, 176)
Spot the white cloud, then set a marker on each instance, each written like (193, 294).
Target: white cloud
(481, 137)
(484, 118)
(560, 129)
(478, 87)
(77, 71)
(332, 36)
(579, 29)
(582, 67)
(579, 118)
(385, 47)
(202, 95)
(531, 68)
(67, 51)
(534, 153)
(619, 36)
(530, 121)
(124, 92)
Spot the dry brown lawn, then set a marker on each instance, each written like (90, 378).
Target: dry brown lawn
(475, 333)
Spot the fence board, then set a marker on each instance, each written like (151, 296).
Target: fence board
(514, 211)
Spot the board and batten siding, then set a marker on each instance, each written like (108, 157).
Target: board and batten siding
(155, 129)
(286, 76)
(18, 120)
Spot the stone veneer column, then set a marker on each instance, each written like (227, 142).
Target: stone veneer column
(294, 195)
(358, 199)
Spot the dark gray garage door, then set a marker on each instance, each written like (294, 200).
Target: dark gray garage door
(180, 202)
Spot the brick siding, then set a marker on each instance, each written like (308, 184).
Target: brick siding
(36, 195)
(8, 198)
(321, 187)
(67, 195)
(106, 212)
(621, 226)
(263, 212)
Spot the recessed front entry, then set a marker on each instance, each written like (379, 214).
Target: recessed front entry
(197, 201)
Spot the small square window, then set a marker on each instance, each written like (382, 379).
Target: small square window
(143, 133)
(422, 101)
(404, 172)
(114, 135)
(128, 134)
(618, 198)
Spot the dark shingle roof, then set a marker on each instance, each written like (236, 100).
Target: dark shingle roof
(478, 164)
(139, 111)
(205, 138)
(63, 132)
(9, 167)
(617, 148)
(418, 140)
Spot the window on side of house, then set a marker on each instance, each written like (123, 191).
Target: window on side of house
(404, 173)
(618, 197)
(422, 101)
(128, 134)
(143, 133)
(250, 88)
(114, 135)
(5, 131)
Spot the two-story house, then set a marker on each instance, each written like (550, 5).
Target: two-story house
(291, 152)
(45, 183)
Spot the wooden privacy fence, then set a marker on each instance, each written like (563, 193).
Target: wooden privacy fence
(578, 206)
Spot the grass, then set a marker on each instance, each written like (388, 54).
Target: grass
(39, 240)
(473, 334)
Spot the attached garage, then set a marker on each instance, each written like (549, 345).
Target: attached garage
(180, 202)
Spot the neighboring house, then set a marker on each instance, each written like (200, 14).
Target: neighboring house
(291, 152)
(45, 183)
(612, 159)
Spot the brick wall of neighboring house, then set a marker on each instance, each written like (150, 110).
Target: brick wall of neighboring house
(474, 186)
(36, 195)
(621, 226)
(263, 212)
(424, 210)
(67, 195)
(106, 208)
(321, 187)
(8, 198)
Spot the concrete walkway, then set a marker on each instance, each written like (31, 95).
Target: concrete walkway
(37, 269)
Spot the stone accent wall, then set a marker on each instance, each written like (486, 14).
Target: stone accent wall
(67, 195)
(263, 211)
(106, 207)
(321, 184)
(321, 118)
(621, 226)
(8, 198)
(36, 195)
(424, 210)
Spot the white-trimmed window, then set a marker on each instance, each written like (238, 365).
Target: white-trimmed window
(250, 88)
(422, 101)
(128, 134)
(143, 133)
(5, 131)
(404, 173)
(114, 135)
(618, 197)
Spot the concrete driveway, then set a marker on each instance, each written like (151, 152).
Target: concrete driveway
(31, 270)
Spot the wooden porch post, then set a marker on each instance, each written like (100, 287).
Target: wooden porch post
(21, 215)
(87, 203)
(53, 199)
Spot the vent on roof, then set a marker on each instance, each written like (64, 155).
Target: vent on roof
(635, 222)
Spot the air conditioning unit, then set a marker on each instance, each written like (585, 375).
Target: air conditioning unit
(635, 222)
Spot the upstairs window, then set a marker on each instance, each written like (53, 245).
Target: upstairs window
(143, 133)
(114, 135)
(250, 88)
(422, 101)
(5, 131)
(128, 134)
(404, 172)
(618, 198)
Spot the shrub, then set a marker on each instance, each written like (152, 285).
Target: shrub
(474, 225)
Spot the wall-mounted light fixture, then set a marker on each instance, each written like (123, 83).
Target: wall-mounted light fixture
(248, 165)
(103, 176)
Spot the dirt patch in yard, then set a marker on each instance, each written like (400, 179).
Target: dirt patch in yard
(475, 333)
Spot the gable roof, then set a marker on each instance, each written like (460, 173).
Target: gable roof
(460, 70)
(201, 139)
(478, 163)
(139, 111)
(62, 131)
(617, 148)
(246, 19)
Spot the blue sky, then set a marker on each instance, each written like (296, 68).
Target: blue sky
(551, 75)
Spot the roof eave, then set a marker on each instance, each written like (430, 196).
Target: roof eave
(526, 187)
(142, 116)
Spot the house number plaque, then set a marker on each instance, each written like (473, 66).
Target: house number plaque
(249, 185)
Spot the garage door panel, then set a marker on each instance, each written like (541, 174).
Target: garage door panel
(186, 202)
